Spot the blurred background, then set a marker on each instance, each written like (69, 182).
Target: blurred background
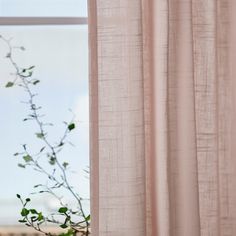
(60, 56)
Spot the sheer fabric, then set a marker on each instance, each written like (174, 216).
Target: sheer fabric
(163, 117)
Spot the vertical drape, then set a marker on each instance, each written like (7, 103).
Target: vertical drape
(163, 117)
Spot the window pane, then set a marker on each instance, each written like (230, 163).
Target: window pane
(60, 56)
(39, 8)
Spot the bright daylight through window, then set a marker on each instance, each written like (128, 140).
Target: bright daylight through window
(44, 76)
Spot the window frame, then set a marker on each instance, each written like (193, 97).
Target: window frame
(23, 21)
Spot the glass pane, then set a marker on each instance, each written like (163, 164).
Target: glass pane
(60, 57)
(66, 8)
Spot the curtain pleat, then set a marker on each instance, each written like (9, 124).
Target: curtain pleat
(118, 163)
(163, 109)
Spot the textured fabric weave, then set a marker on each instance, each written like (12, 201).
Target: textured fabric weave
(163, 117)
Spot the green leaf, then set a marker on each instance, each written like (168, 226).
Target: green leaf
(71, 126)
(88, 218)
(38, 185)
(63, 210)
(52, 160)
(32, 67)
(21, 165)
(41, 150)
(65, 164)
(36, 82)
(60, 144)
(40, 216)
(9, 84)
(27, 158)
(40, 135)
(22, 221)
(64, 226)
(24, 212)
(33, 211)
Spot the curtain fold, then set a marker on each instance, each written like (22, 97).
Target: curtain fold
(163, 109)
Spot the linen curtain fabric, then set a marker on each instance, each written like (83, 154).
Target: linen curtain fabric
(163, 117)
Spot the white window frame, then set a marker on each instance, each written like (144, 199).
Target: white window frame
(17, 21)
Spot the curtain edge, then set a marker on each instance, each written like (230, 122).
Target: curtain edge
(93, 127)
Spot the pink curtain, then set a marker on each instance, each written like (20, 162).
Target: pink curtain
(163, 117)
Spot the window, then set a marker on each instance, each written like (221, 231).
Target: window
(56, 42)
(43, 8)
